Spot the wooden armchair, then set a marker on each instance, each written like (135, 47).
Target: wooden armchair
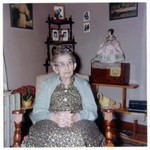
(18, 114)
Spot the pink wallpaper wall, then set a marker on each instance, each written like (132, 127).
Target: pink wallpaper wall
(25, 50)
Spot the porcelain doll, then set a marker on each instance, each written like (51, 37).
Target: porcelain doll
(110, 51)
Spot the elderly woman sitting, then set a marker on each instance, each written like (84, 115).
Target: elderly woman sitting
(65, 109)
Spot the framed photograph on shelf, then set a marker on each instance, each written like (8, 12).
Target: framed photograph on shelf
(59, 12)
(122, 10)
(54, 49)
(70, 47)
(64, 35)
(21, 15)
(55, 35)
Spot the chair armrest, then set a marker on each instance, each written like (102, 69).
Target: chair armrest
(108, 116)
(18, 124)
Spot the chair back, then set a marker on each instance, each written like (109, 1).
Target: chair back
(43, 77)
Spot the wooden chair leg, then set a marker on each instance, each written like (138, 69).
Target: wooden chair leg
(18, 123)
(108, 115)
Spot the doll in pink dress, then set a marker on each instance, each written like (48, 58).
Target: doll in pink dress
(110, 50)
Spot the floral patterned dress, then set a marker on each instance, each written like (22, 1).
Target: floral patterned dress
(46, 133)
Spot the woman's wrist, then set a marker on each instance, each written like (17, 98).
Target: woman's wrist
(51, 115)
(76, 117)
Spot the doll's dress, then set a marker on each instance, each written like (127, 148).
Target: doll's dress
(46, 133)
(110, 51)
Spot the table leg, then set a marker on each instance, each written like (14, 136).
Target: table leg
(124, 92)
(135, 127)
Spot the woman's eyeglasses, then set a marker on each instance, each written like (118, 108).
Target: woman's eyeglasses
(62, 64)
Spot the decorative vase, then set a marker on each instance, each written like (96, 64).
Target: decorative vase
(26, 103)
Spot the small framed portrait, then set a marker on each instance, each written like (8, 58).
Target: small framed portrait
(59, 12)
(55, 35)
(86, 27)
(86, 16)
(64, 35)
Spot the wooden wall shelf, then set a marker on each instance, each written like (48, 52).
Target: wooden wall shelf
(124, 90)
(138, 138)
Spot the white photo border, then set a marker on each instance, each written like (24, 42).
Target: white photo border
(86, 16)
(55, 35)
(66, 37)
(86, 27)
(59, 12)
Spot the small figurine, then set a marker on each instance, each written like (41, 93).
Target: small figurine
(106, 102)
(110, 50)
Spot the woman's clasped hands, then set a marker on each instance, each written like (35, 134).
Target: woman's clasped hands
(64, 118)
